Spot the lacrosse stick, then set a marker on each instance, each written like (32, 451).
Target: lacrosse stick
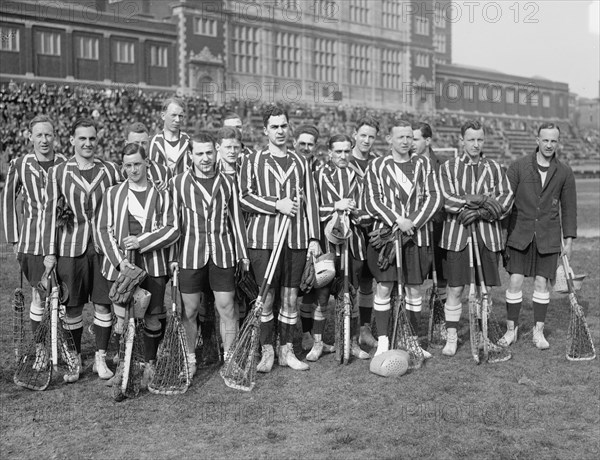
(239, 370)
(343, 310)
(129, 372)
(403, 336)
(52, 346)
(18, 329)
(171, 376)
(473, 305)
(580, 346)
(436, 331)
(490, 329)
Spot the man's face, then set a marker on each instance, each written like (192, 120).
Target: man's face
(203, 156)
(305, 145)
(229, 150)
(547, 141)
(42, 138)
(173, 117)
(420, 143)
(135, 167)
(277, 130)
(340, 153)
(142, 139)
(401, 139)
(234, 123)
(84, 140)
(473, 142)
(365, 138)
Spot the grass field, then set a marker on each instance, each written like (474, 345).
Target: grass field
(536, 406)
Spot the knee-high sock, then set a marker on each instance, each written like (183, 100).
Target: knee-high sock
(540, 306)
(381, 307)
(514, 300)
(319, 319)
(306, 316)
(35, 315)
(452, 314)
(102, 328)
(287, 320)
(365, 305)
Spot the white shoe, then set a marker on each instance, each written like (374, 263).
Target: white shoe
(72, 377)
(316, 351)
(288, 358)
(383, 344)
(192, 365)
(426, 354)
(41, 358)
(451, 344)
(100, 366)
(510, 336)
(356, 351)
(268, 357)
(366, 337)
(307, 341)
(538, 337)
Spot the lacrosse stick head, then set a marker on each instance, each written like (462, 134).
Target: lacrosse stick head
(141, 301)
(324, 270)
(337, 230)
(392, 363)
(561, 286)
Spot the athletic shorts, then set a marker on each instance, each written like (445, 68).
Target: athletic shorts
(156, 286)
(458, 273)
(205, 279)
(530, 262)
(416, 264)
(83, 277)
(356, 268)
(32, 267)
(288, 272)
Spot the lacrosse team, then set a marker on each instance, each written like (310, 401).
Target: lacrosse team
(209, 210)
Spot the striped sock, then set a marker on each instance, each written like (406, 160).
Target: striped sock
(514, 301)
(452, 314)
(540, 306)
(413, 307)
(102, 329)
(381, 309)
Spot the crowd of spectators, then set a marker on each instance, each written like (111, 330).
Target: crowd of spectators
(114, 108)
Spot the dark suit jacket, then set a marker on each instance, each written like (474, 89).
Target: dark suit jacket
(536, 208)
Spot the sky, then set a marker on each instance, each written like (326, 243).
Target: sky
(555, 39)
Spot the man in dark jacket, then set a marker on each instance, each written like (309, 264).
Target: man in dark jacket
(545, 200)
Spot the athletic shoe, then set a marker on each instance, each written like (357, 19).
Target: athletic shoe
(71, 377)
(356, 351)
(316, 351)
(538, 337)
(288, 358)
(383, 344)
(510, 336)
(100, 366)
(267, 360)
(307, 341)
(366, 337)
(451, 344)
(328, 348)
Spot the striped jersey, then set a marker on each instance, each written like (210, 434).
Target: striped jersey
(459, 177)
(158, 232)
(26, 177)
(210, 222)
(176, 158)
(391, 193)
(262, 182)
(66, 182)
(335, 184)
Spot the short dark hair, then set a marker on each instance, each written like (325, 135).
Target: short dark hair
(231, 116)
(368, 121)
(173, 100)
(548, 125)
(40, 119)
(137, 128)
(132, 149)
(399, 123)
(339, 138)
(425, 129)
(83, 122)
(307, 129)
(202, 137)
(470, 124)
(274, 111)
(228, 132)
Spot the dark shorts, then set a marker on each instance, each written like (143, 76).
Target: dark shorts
(205, 279)
(83, 277)
(356, 268)
(416, 264)
(156, 286)
(289, 268)
(32, 267)
(458, 273)
(530, 262)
